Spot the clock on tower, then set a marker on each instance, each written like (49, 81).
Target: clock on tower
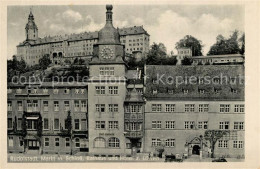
(107, 52)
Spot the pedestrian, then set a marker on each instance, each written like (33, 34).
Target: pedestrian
(149, 156)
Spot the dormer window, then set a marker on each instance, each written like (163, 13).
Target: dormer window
(185, 91)
(19, 91)
(55, 91)
(170, 91)
(154, 91)
(66, 91)
(233, 90)
(45, 91)
(216, 80)
(216, 91)
(82, 91)
(201, 91)
(9, 91)
(34, 91)
(76, 91)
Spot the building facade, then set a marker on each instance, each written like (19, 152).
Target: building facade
(118, 112)
(68, 47)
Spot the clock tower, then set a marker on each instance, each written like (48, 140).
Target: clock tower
(107, 92)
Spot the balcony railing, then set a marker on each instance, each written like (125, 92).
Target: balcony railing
(134, 116)
(134, 134)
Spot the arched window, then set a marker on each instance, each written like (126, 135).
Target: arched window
(77, 142)
(99, 142)
(113, 142)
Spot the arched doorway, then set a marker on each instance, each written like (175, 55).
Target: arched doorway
(196, 150)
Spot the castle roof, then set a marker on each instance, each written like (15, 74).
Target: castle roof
(217, 82)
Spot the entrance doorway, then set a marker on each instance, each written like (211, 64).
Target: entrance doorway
(33, 145)
(196, 150)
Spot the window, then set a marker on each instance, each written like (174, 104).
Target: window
(45, 106)
(106, 71)
(35, 105)
(9, 90)
(76, 105)
(239, 108)
(203, 107)
(10, 123)
(66, 105)
(10, 141)
(45, 124)
(185, 91)
(201, 91)
(113, 107)
(55, 91)
(100, 90)
(67, 142)
(56, 105)
(83, 106)
(56, 124)
(113, 124)
(100, 107)
(18, 91)
(170, 107)
(77, 125)
(76, 91)
(202, 125)
(238, 125)
(156, 124)
(45, 91)
(189, 124)
(154, 91)
(224, 125)
(57, 142)
(66, 91)
(99, 142)
(224, 108)
(100, 125)
(223, 143)
(19, 123)
(156, 107)
(9, 105)
(20, 141)
(156, 142)
(113, 142)
(169, 124)
(233, 90)
(113, 90)
(46, 142)
(189, 108)
(169, 142)
(237, 144)
(82, 91)
(20, 105)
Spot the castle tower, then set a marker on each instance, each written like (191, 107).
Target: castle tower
(31, 29)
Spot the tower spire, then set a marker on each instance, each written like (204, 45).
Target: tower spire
(109, 14)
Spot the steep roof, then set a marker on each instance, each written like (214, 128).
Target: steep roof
(83, 36)
(216, 77)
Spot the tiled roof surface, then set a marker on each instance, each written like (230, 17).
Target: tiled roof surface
(211, 73)
(84, 35)
(217, 56)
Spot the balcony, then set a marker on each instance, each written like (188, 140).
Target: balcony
(134, 117)
(134, 134)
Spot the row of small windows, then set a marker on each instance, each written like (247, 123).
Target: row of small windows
(102, 108)
(135, 44)
(46, 91)
(223, 125)
(200, 91)
(101, 90)
(33, 105)
(237, 144)
(106, 71)
(101, 125)
(133, 49)
(223, 108)
(79, 124)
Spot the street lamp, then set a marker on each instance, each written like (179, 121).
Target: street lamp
(201, 144)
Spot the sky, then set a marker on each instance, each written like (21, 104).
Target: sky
(165, 23)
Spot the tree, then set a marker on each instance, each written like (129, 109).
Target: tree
(213, 136)
(191, 42)
(225, 46)
(45, 61)
(242, 40)
(186, 61)
(156, 54)
(67, 61)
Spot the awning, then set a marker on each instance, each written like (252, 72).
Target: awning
(32, 118)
